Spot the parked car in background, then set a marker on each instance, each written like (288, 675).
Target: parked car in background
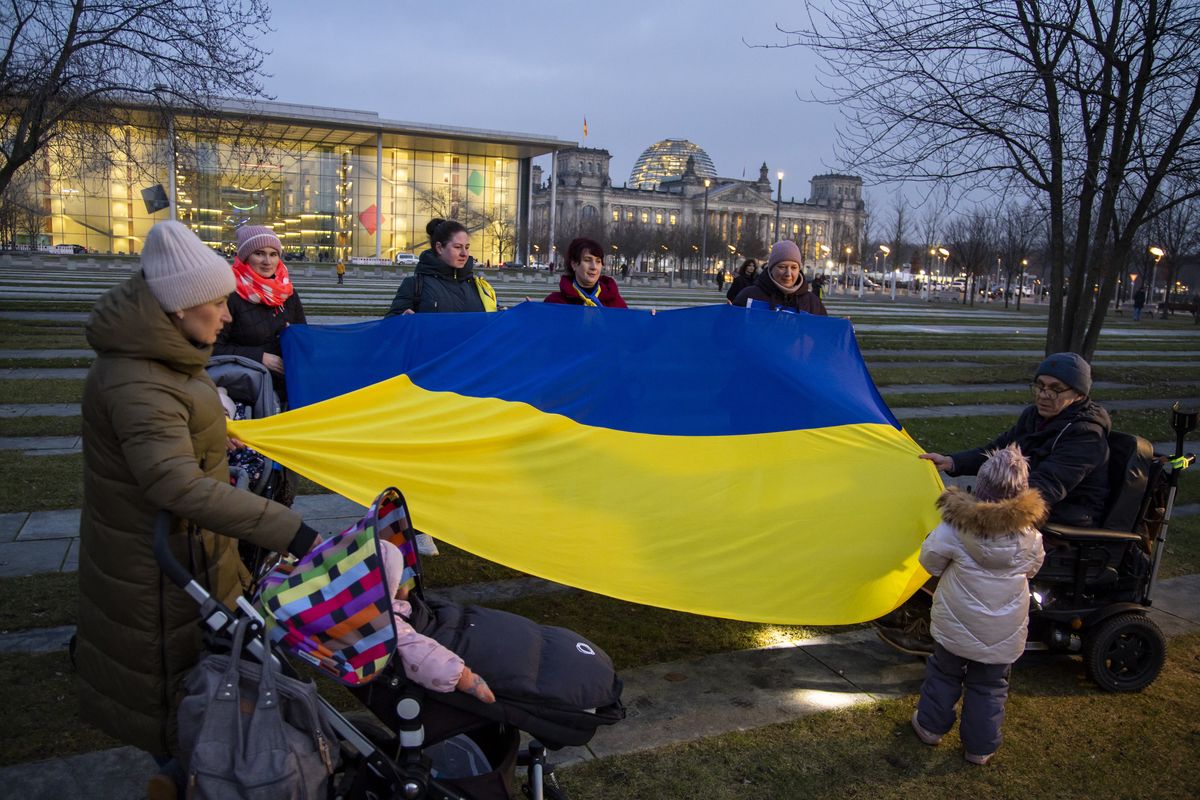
(512, 265)
(406, 260)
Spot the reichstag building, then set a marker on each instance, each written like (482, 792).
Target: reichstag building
(657, 217)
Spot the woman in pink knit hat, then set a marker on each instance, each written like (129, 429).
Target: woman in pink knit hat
(263, 304)
(781, 286)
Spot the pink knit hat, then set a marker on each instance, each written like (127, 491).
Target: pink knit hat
(252, 237)
(784, 251)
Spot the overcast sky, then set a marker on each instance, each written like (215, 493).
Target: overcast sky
(639, 70)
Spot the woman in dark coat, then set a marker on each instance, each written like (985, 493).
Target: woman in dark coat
(154, 439)
(743, 278)
(264, 303)
(445, 279)
(583, 282)
(781, 285)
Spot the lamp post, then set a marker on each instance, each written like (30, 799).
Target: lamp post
(704, 231)
(846, 272)
(1021, 285)
(1158, 253)
(887, 251)
(825, 250)
(778, 200)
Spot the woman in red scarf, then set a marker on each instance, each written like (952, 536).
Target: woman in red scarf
(264, 303)
(584, 283)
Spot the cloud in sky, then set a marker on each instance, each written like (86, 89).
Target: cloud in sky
(639, 71)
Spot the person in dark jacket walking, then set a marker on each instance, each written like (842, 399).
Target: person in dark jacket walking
(1139, 302)
(263, 304)
(743, 278)
(445, 279)
(781, 285)
(583, 282)
(154, 439)
(1064, 434)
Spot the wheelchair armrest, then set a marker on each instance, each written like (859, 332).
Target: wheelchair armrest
(1075, 534)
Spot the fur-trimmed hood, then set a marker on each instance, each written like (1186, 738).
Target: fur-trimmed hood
(982, 519)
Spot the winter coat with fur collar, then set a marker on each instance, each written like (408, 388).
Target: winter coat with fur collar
(985, 553)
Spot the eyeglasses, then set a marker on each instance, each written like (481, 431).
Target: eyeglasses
(1048, 391)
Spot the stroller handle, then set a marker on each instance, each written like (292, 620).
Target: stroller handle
(162, 551)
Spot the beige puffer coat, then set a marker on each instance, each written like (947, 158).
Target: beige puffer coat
(153, 438)
(985, 553)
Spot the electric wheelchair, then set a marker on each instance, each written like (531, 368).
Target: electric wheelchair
(1094, 590)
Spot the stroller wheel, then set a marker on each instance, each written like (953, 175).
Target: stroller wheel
(1125, 653)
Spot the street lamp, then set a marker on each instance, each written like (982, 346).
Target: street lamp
(825, 251)
(1158, 253)
(1021, 285)
(778, 200)
(945, 254)
(704, 231)
(887, 251)
(846, 272)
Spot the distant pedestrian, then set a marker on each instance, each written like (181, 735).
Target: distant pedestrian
(744, 278)
(341, 272)
(719, 280)
(1139, 302)
(985, 550)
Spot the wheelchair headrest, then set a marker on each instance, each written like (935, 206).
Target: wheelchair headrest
(1130, 459)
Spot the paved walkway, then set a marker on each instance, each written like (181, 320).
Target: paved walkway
(667, 703)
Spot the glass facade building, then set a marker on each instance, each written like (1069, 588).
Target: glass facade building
(333, 184)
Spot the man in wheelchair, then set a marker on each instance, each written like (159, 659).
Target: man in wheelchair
(1110, 501)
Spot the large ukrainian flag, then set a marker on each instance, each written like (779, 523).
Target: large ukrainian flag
(714, 460)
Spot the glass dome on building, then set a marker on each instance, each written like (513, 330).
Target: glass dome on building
(666, 160)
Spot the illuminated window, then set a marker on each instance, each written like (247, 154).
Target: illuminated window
(616, 216)
(645, 217)
(672, 219)
(658, 218)
(629, 216)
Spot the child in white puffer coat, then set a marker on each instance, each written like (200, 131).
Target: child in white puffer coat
(986, 550)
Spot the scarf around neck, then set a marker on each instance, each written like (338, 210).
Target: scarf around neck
(254, 288)
(784, 289)
(591, 298)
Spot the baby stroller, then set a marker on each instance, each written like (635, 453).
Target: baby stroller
(330, 609)
(1095, 588)
(248, 384)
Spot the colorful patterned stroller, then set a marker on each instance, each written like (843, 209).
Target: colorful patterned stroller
(332, 609)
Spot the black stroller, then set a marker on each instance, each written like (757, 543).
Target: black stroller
(415, 743)
(249, 386)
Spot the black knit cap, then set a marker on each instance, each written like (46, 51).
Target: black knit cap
(1069, 368)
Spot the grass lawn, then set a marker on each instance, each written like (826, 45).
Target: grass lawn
(40, 483)
(40, 426)
(1062, 738)
(51, 390)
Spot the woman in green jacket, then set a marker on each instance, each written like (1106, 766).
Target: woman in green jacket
(154, 438)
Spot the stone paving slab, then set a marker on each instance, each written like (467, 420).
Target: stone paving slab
(31, 354)
(952, 388)
(1004, 409)
(117, 774)
(29, 558)
(41, 525)
(43, 373)
(55, 451)
(29, 443)
(10, 524)
(40, 410)
(38, 640)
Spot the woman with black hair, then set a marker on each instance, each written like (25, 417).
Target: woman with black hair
(445, 278)
(583, 282)
(743, 278)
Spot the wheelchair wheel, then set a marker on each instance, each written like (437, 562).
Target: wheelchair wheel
(1125, 653)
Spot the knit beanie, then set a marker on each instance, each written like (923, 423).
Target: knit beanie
(784, 251)
(1005, 474)
(1069, 368)
(252, 237)
(181, 270)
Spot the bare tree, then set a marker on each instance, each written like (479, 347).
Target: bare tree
(898, 229)
(73, 73)
(22, 212)
(1177, 232)
(1080, 102)
(972, 244)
